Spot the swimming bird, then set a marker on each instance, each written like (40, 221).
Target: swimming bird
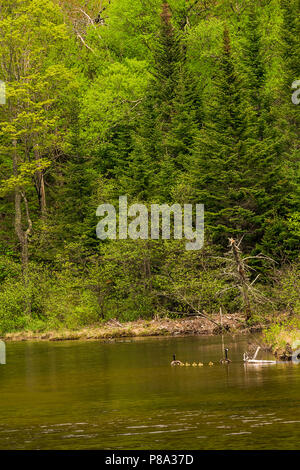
(210, 363)
(225, 360)
(194, 364)
(175, 362)
(200, 364)
(187, 364)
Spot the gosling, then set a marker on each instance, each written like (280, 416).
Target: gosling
(187, 364)
(175, 362)
(225, 360)
(210, 363)
(200, 364)
(194, 364)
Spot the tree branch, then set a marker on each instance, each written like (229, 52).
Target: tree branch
(84, 43)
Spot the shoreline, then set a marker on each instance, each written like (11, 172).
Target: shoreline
(112, 329)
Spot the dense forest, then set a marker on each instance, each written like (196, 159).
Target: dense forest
(182, 101)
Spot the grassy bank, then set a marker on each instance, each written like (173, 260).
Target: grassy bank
(162, 327)
(283, 338)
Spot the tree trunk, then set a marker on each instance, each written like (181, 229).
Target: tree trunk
(40, 184)
(20, 232)
(40, 187)
(243, 278)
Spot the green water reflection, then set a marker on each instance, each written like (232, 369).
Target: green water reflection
(125, 395)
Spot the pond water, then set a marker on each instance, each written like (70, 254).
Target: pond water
(125, 395)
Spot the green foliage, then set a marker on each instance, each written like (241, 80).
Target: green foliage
(281, 334)
(286, 289)
(14, 295)
(186, 102)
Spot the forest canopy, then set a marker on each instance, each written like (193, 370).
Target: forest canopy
(182, 102)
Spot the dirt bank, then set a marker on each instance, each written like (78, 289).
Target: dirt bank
(114, 329)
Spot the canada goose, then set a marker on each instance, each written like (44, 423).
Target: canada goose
(200, 364)
(225, 360)
(194, 364)
(176, 363)
(210, 363)
(187, 364)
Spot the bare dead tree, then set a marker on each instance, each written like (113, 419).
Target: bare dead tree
(239, 270)
(101, 19)
(83, 15)
(243, 278)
